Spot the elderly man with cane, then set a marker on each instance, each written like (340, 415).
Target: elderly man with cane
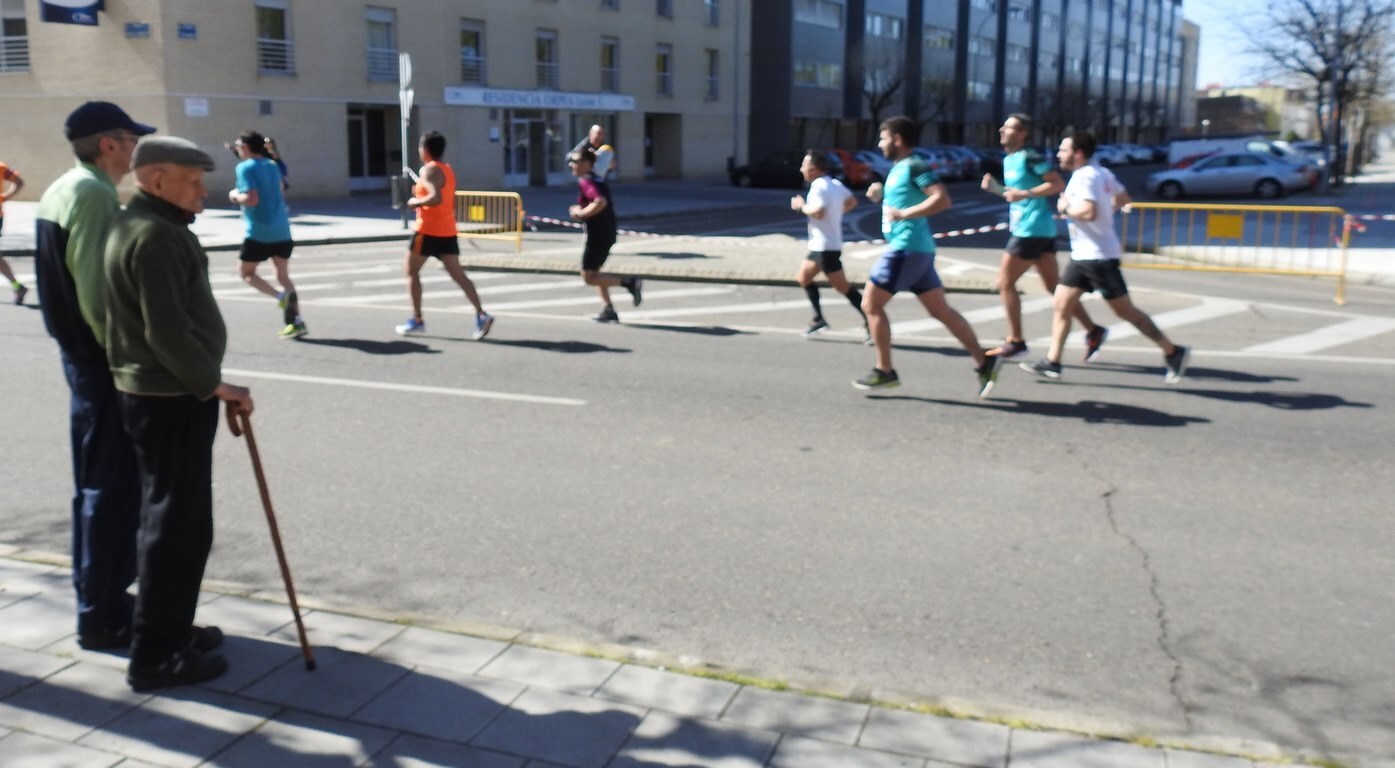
(165, 341)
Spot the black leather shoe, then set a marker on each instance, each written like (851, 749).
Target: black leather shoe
(184, 667)
(202, 639)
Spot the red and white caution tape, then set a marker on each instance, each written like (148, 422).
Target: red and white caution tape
(575, 225)
(635, 233)
(1372, 216)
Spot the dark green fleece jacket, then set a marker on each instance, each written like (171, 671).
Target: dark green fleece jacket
(164, 335)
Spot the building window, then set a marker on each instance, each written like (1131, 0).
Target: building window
(987, 5)
(1050, 60)
(981, 46)
(1019, 13)
(820, 13)
(14, 37)
(939, 37)
(1049, 20)
(1016, 54)
(275, 50)
(663, 69)
(979, 90)
(613, 5)
(1013, 94)
(382, 43)
(545, 53)
(610, 65)
(714, 12)
(664, 8)
(472, 51)
(818, 75)
(881, 25)
(714, 73)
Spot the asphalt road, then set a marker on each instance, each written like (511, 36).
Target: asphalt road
(1207, 559)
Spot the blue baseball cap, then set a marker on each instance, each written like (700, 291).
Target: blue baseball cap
(96, 117)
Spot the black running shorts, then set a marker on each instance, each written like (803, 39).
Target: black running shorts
(1031, 248)
(255, 251)
(595, 254)
(431, 245)
(1103, 275)
(828, 261)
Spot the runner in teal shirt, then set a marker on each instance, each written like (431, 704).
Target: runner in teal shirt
(912, 193)
(1029, 180)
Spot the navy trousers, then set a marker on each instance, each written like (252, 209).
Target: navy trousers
(106, 500)
(174, 450)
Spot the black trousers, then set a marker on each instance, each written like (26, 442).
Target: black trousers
(174, 451)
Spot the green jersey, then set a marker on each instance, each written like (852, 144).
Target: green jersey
(1024, 169)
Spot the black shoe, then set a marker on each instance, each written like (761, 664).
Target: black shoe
(636, 287)
(878, 379)
(184, 667)
(1009, 349)
(1043, 367)
(607, 315)
(817, 325)
(1176, 364)
(1093, 341)
(202, 639)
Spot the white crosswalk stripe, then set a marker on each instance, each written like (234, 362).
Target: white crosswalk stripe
(1208, 321)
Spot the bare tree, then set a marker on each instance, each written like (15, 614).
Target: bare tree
(1341, 47)
(885, 76)
(936, 101)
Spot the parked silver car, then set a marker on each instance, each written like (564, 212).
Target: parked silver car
(1233, 173)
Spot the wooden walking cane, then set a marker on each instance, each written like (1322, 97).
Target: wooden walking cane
(241, 425)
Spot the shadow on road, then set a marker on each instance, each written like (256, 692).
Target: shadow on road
(671, 255)
(1087, 411)
(371, 346)
(566, 347)
(1193, 373)
(701, 330)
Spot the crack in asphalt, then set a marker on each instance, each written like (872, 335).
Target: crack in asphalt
(1154, 588)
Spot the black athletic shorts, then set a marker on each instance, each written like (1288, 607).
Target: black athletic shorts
(828, 261)
(595, 254)
(255, 251)
(431, 245)
(1031, 248)
(1101, 275)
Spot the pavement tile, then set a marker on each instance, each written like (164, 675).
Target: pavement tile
(25, 750)
(70, 702)
(550, 669)
(440, 703)
(250, 659)
(304, 741)
(342, 683)
(12, 571)
(562, 728)
(416, 752)
(966, 742)
(680, 694)
(797, 752)
(181, 728)
(442, 650)
(1035, 749)
(241, 616)
(664, 739)
(798, 715)
(20, 668)
(335, 630)
(37, 621)
(1177, 758)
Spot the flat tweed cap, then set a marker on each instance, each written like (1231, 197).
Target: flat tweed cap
(153, 150)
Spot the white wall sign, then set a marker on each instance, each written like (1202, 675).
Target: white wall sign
(509, 99)
(195, 106)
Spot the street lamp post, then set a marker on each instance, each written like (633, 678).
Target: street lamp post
(1205, 126)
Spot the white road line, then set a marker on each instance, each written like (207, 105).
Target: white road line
(1325, 338)
(982, 315)
(503, 306)
(297, 274)
(248, 292)
(1208, 309)
(720, 309)
(383, 298)
(477, 393)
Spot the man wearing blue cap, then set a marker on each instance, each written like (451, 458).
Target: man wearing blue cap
(71, 229)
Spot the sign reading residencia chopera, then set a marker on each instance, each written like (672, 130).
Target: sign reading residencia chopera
(510, 99)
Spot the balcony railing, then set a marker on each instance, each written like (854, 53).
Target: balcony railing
(275, 57)
(547, 76)
(14, 54)
(471, 68)
(382, 64)
(610, 81)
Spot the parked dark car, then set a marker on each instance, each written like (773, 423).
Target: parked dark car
(780, 169)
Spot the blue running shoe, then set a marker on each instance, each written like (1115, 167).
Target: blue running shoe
(413, 325)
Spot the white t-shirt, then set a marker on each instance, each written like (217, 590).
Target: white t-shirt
(826, 234)
(1094, 240)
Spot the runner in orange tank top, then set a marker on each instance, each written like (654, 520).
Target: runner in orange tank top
(434, 198)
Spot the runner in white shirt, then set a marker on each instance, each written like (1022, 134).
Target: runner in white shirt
(1088, 203)
(827, 202)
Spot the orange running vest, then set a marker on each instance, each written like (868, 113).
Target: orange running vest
(437, 220)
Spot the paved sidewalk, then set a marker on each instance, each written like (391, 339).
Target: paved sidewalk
(394, 695)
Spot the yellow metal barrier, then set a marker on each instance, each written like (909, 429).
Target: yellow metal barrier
(1269, 239)
(490, 216)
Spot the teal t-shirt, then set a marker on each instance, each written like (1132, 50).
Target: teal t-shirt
(1024, 169)
(905, 186)
(267, 221)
